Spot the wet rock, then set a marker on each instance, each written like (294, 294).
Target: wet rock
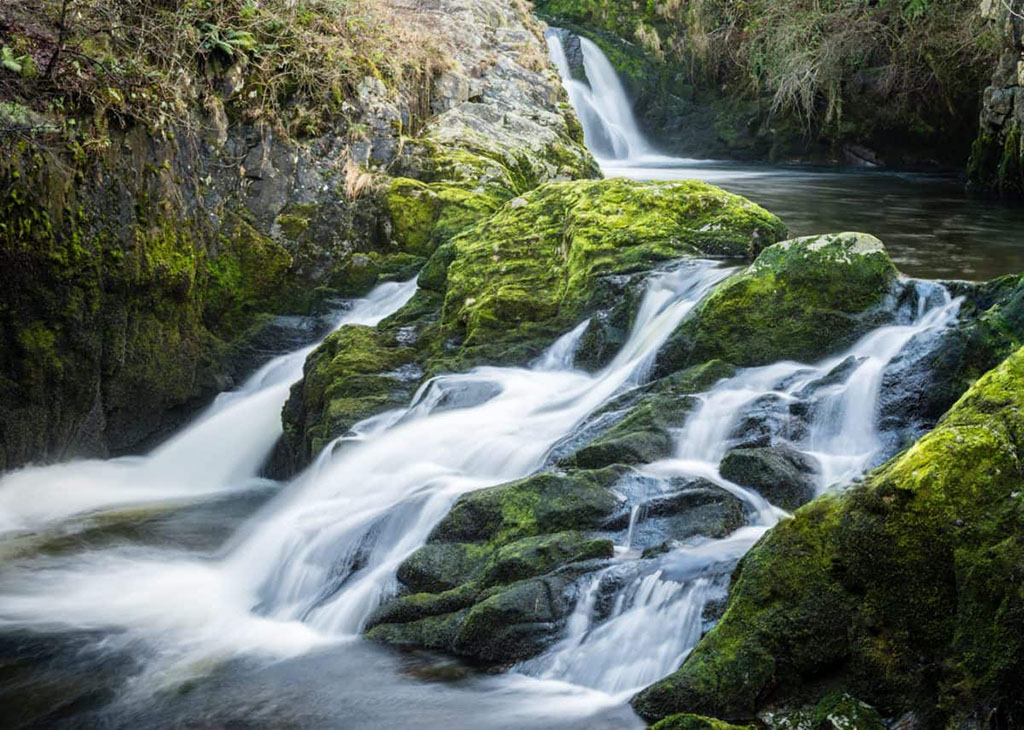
(784, 476)
(701, 510)
(769, 419)
(901, 591)
(800, 300)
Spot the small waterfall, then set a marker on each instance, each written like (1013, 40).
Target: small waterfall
(221, 450)
(329, 554)
(657, 604)
(609, 127)
(317, 560)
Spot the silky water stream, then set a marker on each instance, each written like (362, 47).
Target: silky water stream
(298, 579)
(260, 623)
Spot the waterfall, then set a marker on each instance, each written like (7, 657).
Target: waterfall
(328, 553)
(604, 109)
(318, 559)
(221, 450)
(658, 604)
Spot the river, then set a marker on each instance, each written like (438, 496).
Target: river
(181, 589)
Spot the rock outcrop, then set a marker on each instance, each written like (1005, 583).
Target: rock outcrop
(903, 591)
(139, 273)
(997, 158)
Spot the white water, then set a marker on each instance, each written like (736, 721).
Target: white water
(657, 614)
(313, 564)
(609, 127)
(317, 560)
(220, 451)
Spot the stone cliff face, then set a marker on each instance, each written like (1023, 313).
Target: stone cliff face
(996, 158)
(140, 276)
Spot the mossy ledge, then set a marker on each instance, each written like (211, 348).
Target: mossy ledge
(904, 591)
(505, 287)
(804, 298)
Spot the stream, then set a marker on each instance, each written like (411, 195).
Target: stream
(182, 589)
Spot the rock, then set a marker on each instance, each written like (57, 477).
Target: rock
(702, 509)
(903, 591)
(784, 476)
(539, 504)
(800, 300)
(537, 265)
(696, 722)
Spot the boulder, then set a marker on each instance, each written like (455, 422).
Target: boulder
(801, 300)
(903, 591)
(784, 476)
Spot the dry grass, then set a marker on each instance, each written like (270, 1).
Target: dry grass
(154, 61)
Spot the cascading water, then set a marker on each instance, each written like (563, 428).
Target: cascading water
(609, 127)
(315, 562)
(221, 450)
(333, 549)
(318, 559)
(657, 605)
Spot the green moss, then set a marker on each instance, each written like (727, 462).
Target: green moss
(800, 300)
(536, 261)
(248, 274)
(644, 435)
(695, 722)
(424, 216)
(495, 567)
(904, 591)
(1010, 173)
(544, 503)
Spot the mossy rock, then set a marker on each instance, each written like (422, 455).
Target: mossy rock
(425, 215)
(357, 372)
(800, 300)
(696, 722)
(539, 504)
(491, 581)
(533, 266)
(904, 591)
(784, 476)
(643, 436)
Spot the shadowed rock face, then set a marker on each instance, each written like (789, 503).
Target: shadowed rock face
(997, 160)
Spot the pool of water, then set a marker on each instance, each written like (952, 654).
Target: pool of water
(931, 228)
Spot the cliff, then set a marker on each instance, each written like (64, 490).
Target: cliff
(174, 176)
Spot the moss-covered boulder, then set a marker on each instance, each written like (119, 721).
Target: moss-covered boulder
(491, 581)
(533, 266)
(800, 300)
(905, 591)
(500, 291)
